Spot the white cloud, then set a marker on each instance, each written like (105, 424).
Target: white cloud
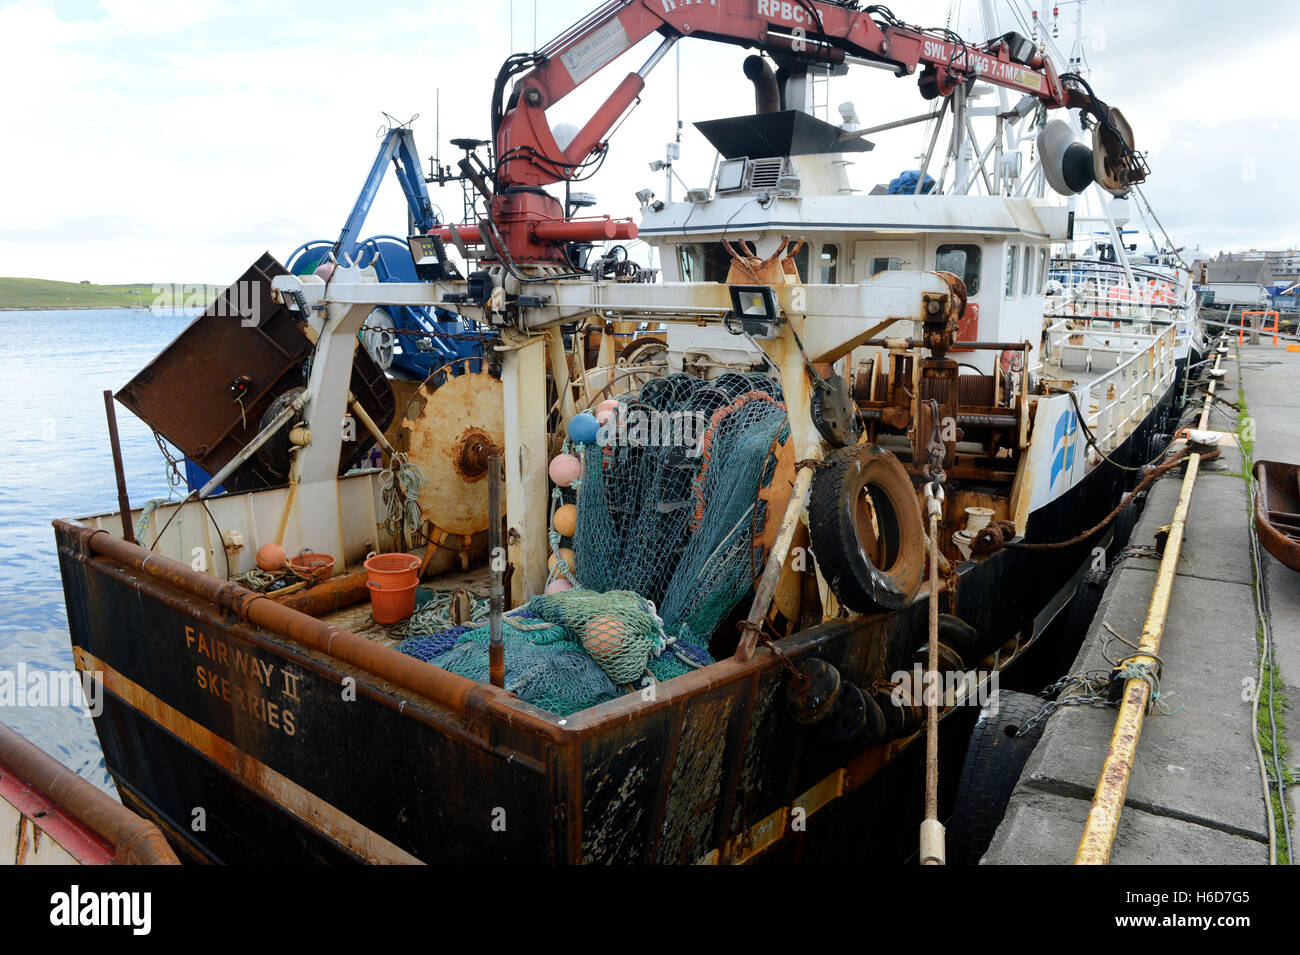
(151, 140)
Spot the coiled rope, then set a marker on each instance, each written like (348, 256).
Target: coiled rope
(399, 485)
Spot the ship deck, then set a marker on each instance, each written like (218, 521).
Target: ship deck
(358, 619)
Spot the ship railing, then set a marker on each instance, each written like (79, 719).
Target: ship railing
(1080, 269)
(1103, 290)
(1118, 401)
(1083, 348)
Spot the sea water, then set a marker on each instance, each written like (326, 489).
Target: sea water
(55, 461)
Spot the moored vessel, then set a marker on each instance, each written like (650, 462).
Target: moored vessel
(719, 651)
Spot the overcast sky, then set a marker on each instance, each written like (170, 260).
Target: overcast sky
(164, 140)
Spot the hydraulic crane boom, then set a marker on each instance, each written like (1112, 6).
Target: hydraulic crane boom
(398, 148)
(529, 155)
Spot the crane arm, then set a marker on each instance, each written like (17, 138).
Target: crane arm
(816, 30)
(397, 147)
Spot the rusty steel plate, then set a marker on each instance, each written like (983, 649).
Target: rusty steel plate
(209, 391)
(449, 422)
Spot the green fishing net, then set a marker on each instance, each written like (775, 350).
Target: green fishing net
(668, 508)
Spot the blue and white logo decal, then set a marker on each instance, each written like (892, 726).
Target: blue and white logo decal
(1067, 426)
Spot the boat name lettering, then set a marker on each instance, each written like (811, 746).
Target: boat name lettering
(268, 678)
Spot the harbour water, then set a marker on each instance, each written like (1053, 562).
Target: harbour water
(56, 462)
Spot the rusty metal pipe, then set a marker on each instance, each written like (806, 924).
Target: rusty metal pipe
(441, 687)
(496, 560)
(123, 501)
(328, 597)
(932, 850)
(1108, 800)
(135, 841)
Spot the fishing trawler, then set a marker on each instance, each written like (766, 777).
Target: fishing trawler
(699, 504)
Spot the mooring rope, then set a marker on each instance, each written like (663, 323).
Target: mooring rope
(399, 485)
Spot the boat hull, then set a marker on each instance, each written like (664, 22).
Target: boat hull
(51, 816)
(296, 744)
(1277, 510)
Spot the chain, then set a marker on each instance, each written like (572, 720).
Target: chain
(447, 336)
(1091, 683)
(767, 641)
(935, 450)
(780, 655)
(1094, 683)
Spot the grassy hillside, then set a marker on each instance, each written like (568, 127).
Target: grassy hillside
(43, 293)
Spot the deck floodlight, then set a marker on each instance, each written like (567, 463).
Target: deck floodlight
(788, 186)
(755, 308)
(731, 175)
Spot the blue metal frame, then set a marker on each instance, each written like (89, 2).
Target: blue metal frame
(417, 356)
(398, 148)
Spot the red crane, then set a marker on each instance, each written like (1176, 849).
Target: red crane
(526, 225)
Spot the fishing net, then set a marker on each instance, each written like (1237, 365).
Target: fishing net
(545, 663)
(669, 507)
(667, 512)
(564, 652)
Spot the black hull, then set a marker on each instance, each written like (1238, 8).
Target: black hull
(245, 748)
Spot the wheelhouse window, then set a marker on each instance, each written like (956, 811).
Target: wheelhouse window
(1042, 270)
(963, 261)
(830, 262)
(1011, 270)
(703, 262)
(710, 262)
(1028, 266)
(802, 260)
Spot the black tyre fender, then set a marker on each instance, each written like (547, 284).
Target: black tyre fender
(960, 636)
(1079, 613)
(868, 573)
(994, 760)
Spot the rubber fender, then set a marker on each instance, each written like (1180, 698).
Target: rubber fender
(853, 486)
(994, 760)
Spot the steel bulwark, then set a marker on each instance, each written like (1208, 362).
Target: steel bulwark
(357, 751)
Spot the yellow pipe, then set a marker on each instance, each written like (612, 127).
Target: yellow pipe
(1108, 801)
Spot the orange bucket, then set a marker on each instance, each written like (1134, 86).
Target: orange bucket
(392, 579)
(313, 567)
(391, 604)
(393, 570)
